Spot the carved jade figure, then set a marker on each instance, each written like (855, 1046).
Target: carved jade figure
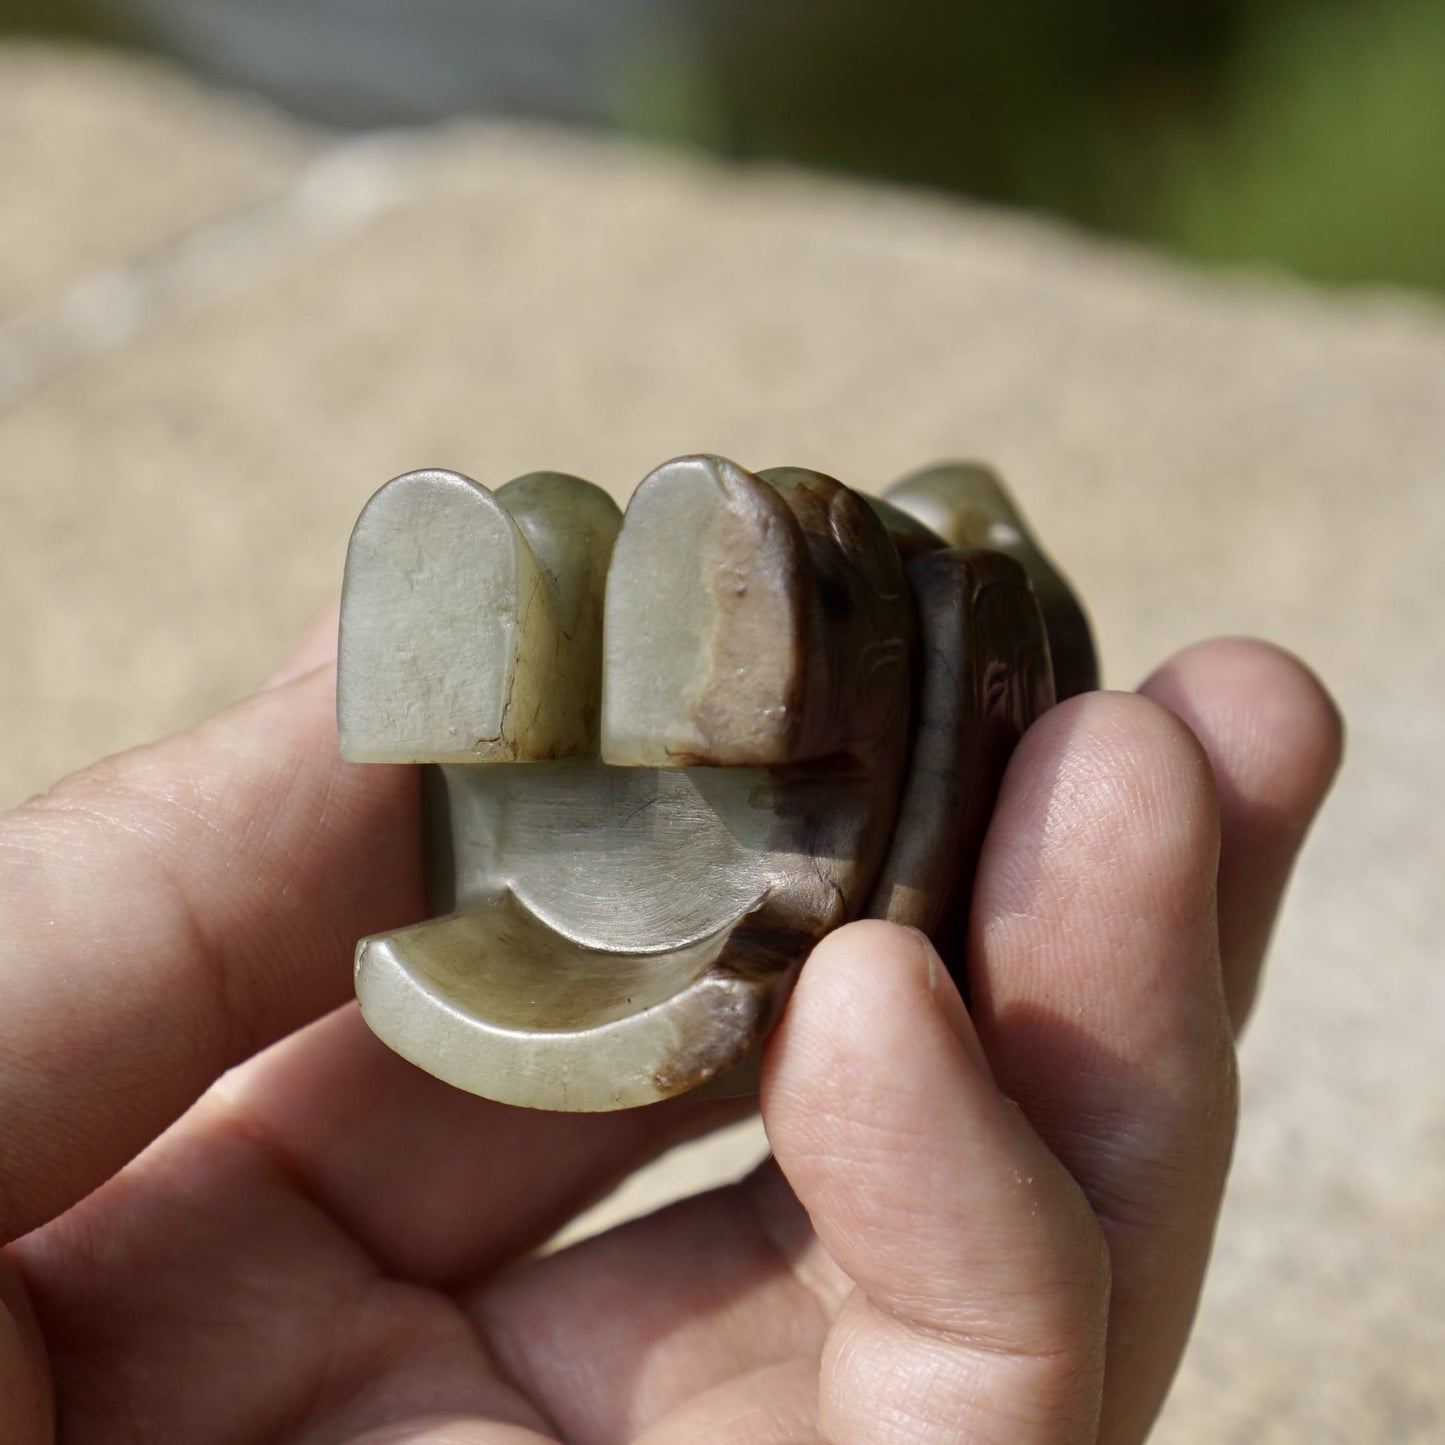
(669, 751)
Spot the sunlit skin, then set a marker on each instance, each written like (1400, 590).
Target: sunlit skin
(984, 1227)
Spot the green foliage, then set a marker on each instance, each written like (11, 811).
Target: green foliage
(1303, 134)
(1012, 102)
(55, 17)
(1330, 155)
(664, 88)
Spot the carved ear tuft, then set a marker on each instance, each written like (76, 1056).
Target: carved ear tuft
(453, 648)
(708, 599)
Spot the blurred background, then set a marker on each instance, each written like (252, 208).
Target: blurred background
(235, 298)
(1302, 135)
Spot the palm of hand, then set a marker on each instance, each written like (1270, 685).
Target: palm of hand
(331, 1246)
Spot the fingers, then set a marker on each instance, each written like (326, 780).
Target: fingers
(981, 1277)
(773, 1405)
(170, 911)
(316, 649)
(27, 1395)
(626, 1330)
(1274, 739)
(1097, 992)
(982, 1280)
(437, 1185)
(451, 1430)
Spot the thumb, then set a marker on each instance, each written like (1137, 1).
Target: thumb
(981, 1274)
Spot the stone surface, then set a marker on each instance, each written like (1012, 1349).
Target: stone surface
(99, 174)
(301, 319)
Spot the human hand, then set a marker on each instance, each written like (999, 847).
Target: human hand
(988, 1228)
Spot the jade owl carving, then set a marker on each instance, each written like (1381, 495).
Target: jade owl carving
(668, 750)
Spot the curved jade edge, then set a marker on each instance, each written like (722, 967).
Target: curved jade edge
(984, 676)
(422, 995)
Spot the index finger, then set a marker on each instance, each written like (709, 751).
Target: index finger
(1274, 738)
(172, 910)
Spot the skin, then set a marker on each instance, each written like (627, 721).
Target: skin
(235, 1217)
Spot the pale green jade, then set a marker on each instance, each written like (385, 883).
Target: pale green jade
(471, 626)
(705, 642)
(672, 757)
